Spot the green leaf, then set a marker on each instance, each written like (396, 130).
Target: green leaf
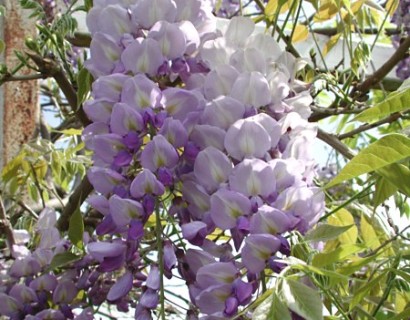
(364, 290)
(342, 218)
(368, 233)
(395, 102)
(405, 314)
(324, 232)
(62, 259)
(70, 132)
(337, 255)
(278, 309)
(76, 229)
(84, 80)
(387, 150)
(302, 299)
(384, 190)
(398, 175)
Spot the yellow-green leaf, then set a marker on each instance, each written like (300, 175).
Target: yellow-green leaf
(397, 101)
(368, 233)
(337, 255)
(324, 232)
(384, 190)
(301, 33)
(76, 229)
(331, 43)
(344, 218)
(387, 150)
(398, 175)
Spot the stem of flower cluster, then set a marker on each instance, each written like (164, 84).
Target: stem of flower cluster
(158, 227)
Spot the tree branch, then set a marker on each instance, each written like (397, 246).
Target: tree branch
(393, 117)
(335, 143)
(6, 226)
(51, 68)
(76, 199)
(80, 39)
(399, 55)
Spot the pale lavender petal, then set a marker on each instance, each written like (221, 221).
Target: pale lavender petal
(266, 44)
(252, 88)
(46, 282)
(239, 29)
(170, 259)
(271, 126)
(257, 250)
(153, 279)
(271, 221)
(115, 21)
(219, 82)
(124, 210)
(216, 273)
(247, 60)
(191, 36)
(196, 259)
(98, 110)
(253, 177)
(195, 194)
(47, 218)
(212, 168)
(143, 56)
(223, 112)
(187, 9)
(140, 92)
(104, 180)
(99, 203)
(9, 306)
(91, 131)
(179, 102)
(65, 292)
(147, 12)
(146, 183)
(125, 119)
(206, 136)
(227, 206)
(109, 87)
(121, 287)
(107, 146)
(149, 299)
(170, 38)
(247, 138)
(174, 132)
(23, 293)
(105, 54)
(195, 232)
(101, 250)
(159, 153)
(212, 299)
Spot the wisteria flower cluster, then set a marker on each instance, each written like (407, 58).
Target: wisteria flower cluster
(202, 162)
(401, 18)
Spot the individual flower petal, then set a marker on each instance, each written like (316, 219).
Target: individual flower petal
(143, 56)
(46, 282)
(153, 279)
(269, 220)
(23, 293)
(124, 210)
(47, 218)
(146, 183)
(247, 138)
(174, 132)
(257, 250)
(9, 306)
(191, 35)
(65, 292)
(121, 287)
(147, 12)
(195, 232)
(205, 135)
(252, 88)
(223, 112)
(239, 29)
(159, 153)
(99, 203)
(227, 206)
(170, 38)
(101, 250)
(149, 299)
(107, 147)
(247, 60)
(98, 110)
(216, 274)
(219, 81)
(125, 119)
(212, 299)
(211, 168)
(253, 177)
(109, 87)
(93, 130)
(104, 180)
(115, 21)
(179, 102)
(140, 92)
